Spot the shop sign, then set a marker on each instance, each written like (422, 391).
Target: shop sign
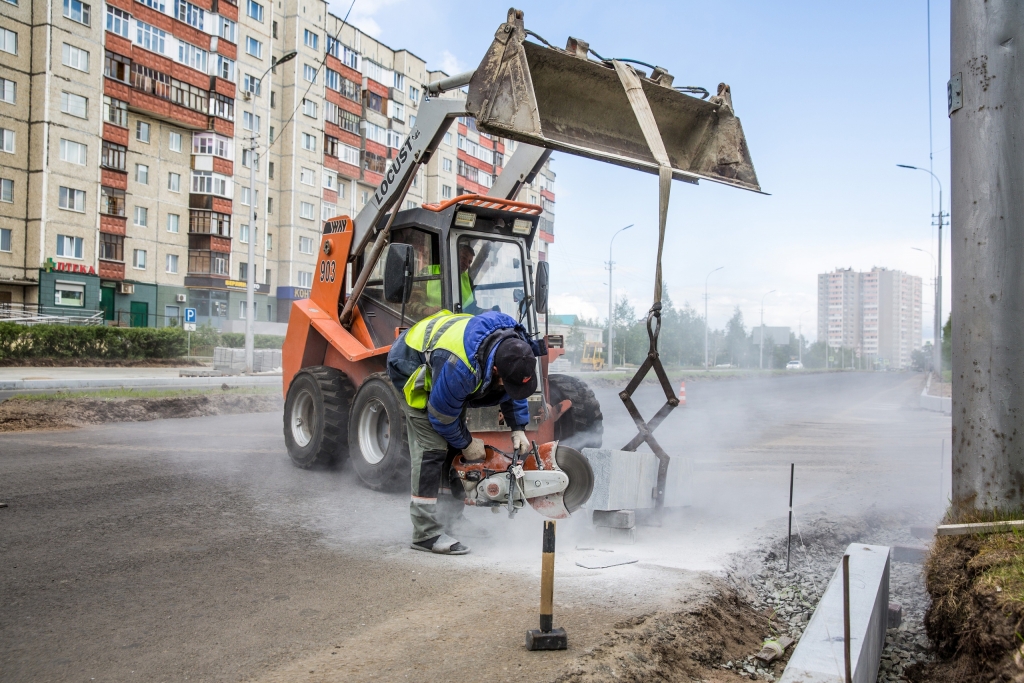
(240, 284)
(293, 292)
(50, 265)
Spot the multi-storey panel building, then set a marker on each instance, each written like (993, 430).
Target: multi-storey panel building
(877, 314)
(145, 143)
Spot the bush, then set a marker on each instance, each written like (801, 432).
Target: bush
(101, 342)
(236, 340)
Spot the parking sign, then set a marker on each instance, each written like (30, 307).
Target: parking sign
(190, 315)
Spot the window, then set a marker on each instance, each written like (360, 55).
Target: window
(397, 110)
(69, 293)
(174, 182)
(306, 210)
(225, 68)
(117, 21)
(142, 131)
(222, 106)
(254, 47)
(227, 29)
(309, 73)
(174, 141)
(205, 182)
(273, 103)
(308, 142)
(399, 81)
(111, 247)
(414, 94)
(73, 152)
(141, 216)
(244, 199)
(374, 162)
(270, 135)
(251, 84)
(328, 211)
(447, 164)
(75, 105)
(171, 263)
(241, 305)
(158, 5)
(374, 102)
(112, 201)
(113, 155)
(72, 199)
(330, 179)
(311, 39)
(305, 279)
(173, 222)
(446, 191)
(212, 143)
(8, 90)
(270, 169)
(75, 57)
(307, 176)
(376, 133)
(209, 223)
(250, 121)
(412, 120)
(150, 37)
(270, 203)
(243, 275)
(115, 111)
(75, 10)
(273, 30)
(254, 10)
(349, 154)
(69, 247)
(305, 245)
(191, 15)
(269, 242)
(243, 233)
(139, 259)
(377, 72)
(309, 108)
(447, 138)
(5, 239)
(6, 190)
(117, 67)
(142, 174)
(192, 56)
(6, 141)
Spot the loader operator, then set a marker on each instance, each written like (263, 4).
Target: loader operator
(443, 365)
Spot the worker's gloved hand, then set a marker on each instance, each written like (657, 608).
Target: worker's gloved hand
(520, 444)
(474, 451)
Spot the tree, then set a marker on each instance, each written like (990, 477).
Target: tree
(947, 343)
(736, 338)
(624, 318)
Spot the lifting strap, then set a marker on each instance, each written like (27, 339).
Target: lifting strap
(645, 117)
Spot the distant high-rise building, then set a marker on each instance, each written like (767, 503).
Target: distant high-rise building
(877, 314)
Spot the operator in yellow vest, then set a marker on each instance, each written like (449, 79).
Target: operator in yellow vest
(428, 300)
(443, 365)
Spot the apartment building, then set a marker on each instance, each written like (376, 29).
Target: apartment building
(876, 313)
(144, 143)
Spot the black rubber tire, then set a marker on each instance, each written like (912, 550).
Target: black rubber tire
(582, 426)
(380, 466)
(329, 393)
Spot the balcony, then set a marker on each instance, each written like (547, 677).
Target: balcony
(206, 263)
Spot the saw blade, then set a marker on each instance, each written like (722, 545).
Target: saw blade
(581, 477)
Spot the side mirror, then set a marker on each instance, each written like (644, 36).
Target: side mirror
(540, 291)
(398, 273)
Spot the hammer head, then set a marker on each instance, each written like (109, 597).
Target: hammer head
(554, 639)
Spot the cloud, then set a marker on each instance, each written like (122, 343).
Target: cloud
(569, 304)
(450, 64)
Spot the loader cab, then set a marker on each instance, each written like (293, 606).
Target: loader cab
(469, 255)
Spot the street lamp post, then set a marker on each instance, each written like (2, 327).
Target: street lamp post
(706, 366)
(250, 274)
(611, 317)
(935, 318)
(937, 350)
(760, 361)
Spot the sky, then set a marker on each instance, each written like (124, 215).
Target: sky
(831, 96)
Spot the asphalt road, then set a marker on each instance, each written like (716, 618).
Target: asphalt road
(192, 549)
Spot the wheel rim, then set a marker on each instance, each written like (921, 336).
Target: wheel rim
(303, 419)
(374, 431)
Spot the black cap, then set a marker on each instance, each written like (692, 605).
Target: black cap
(517, 367)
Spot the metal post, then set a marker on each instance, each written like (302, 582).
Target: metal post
(706, 366)
(789, 535)
(611, 310)
(987, 144)
(846, 618)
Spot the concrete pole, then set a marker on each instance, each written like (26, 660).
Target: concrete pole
(987, 145)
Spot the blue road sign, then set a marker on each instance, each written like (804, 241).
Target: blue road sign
(190, 315)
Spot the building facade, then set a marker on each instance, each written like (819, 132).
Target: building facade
(876, 313)
(144, 143)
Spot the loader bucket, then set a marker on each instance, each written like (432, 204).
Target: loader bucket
(561, 99)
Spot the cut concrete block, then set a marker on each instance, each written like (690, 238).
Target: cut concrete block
(895, 614)
(615, 519)
(622, 480)
(818, 657)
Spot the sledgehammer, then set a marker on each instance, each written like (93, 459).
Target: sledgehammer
(546, 638)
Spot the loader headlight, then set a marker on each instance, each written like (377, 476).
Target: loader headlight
(465, 219)
(522, 227)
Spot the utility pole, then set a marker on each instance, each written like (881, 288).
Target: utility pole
(611, 304)
(986, 97)
(706, 366)
(800, 336)
(760, 360)
(250, 269)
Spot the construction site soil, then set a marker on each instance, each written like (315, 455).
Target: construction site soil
(26, 414)
(977, 613)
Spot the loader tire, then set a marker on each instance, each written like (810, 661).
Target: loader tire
(582, 426)
(377, 442)
(316, 417)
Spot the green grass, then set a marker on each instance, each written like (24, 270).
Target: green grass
(947, 376)
(1002, 560)
(121, 393)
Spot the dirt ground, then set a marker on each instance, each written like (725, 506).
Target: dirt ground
(21, 414)
(977, 613)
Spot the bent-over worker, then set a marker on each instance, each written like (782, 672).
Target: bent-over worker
(443, 365)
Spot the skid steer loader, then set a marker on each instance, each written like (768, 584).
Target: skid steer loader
(384, 270)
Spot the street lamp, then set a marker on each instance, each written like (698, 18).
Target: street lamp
(250, 274)
(937, 350)
(760, 361)
(611, 318)
(706, 316)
